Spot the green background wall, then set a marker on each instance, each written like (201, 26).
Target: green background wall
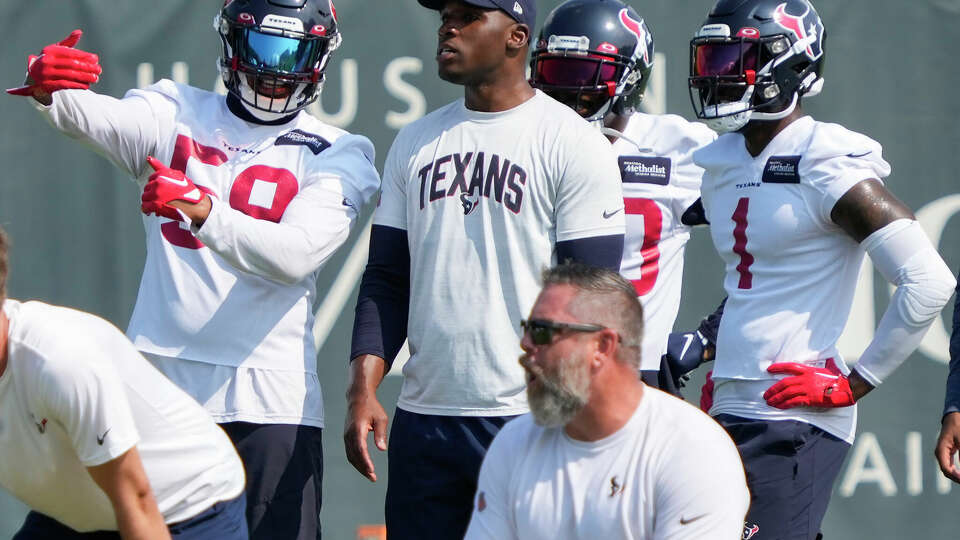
(891, 73)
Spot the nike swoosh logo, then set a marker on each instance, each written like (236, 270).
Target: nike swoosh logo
(827, 375)
(683, 352)
(181, 183)
(193, 195)
(691, 520)
(608, 215)
(101, 438)
(852, 155)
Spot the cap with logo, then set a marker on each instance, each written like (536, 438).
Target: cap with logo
(522, 11)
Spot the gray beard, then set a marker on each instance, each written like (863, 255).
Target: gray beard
(561, 396)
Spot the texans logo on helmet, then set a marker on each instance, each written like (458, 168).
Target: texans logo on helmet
(807, 25)
(750, 530)
(637, 28)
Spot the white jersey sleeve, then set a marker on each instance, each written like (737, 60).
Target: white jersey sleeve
(838, 159)
(315, 223)
(125, 131)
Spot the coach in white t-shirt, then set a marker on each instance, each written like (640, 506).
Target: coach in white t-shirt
(601, 455)
(94, 438)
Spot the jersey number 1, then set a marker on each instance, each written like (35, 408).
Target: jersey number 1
(740, 243)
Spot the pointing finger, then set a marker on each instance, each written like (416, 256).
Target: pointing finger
(155, 163)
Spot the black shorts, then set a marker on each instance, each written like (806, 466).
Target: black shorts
(222, 521)
(434, 465)
(791, 467)
(284, 465)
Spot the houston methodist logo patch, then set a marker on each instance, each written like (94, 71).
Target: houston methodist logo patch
(782, 170)
(295, 137)
(806, 26)
(644, 170)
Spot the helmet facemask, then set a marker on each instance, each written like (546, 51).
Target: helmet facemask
(587, 83)
(272, 69)
(736, 80)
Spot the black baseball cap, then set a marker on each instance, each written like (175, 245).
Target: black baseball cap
(522, 11)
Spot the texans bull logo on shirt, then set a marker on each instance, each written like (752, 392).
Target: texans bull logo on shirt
(471, 176)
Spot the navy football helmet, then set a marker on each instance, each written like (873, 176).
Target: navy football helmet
(275, 51)
(594, 56)
(754, 60)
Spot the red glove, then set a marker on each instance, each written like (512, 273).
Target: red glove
(809, 387)
(706, 393)
(60, 67)
(166, 185)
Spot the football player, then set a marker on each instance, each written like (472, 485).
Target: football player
(245, 197)
(94, 438)
(595, 56)
(478, 197)
(794, 204)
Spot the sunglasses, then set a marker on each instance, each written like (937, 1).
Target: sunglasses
(542, 331)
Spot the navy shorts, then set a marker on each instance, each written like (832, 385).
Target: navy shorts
(222, 521)
(434, 464)
(284, 464)
(790, 467)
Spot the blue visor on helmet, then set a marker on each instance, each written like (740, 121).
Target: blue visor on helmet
(278, 53)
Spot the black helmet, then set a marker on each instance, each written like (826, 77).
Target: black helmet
(754, 59)
(275, 51)
(595, 56)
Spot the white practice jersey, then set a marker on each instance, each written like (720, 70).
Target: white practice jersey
(660, 182)
(790, 270)
(648, 481)
(239, 292)
(484, 197)
(77, 394)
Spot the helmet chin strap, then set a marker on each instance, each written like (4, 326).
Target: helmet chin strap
(601, 113)
(779, 115)
(610, 132)
(733, 122)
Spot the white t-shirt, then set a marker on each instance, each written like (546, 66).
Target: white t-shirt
(238, 292)
(790, 270)
(76, 394)
(660, 182)
(484, 197)
(670, 472)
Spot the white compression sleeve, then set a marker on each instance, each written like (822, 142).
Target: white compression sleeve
(905, 256)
